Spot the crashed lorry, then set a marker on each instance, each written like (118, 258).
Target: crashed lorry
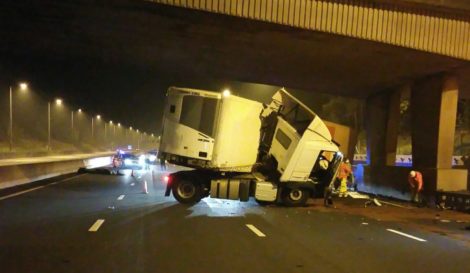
(239, 148)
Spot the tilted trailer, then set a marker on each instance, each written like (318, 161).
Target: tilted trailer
(240, 148)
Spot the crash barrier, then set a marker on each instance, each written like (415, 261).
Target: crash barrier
(454, 200)
(19, 174)
(407, 159)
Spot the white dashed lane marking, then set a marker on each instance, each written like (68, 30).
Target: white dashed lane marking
(121, 197)
(255, 230)
(132, 184)
(96, 225)
(406, 235)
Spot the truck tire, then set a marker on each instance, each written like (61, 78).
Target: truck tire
(294, 197)
(186, 191)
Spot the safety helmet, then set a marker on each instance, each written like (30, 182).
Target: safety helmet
(412, 173)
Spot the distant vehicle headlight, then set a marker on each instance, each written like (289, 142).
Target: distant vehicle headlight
(152, 158)
(127, 161)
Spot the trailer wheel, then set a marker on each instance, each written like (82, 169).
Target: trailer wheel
(187, 191)
(294, 197)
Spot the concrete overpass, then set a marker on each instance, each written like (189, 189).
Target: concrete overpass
(398, 23)
(374, 50)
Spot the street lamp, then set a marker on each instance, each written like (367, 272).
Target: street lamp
(79, 112)
(58, 102)
(23, 87)
(98, 117)
(226, 93)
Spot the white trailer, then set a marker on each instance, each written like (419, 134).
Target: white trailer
(281, 152)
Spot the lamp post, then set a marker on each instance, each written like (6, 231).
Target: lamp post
(79, 111)
(23, 86)
(98, 117)
(58, 102)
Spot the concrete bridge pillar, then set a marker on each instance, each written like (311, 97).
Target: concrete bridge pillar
(382, 121)
(382, 118)
(433, 118)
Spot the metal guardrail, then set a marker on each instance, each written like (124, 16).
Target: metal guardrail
(423, 29)
(408, 159)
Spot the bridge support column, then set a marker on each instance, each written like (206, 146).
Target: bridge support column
(382, 123)
(393, 124)
(433, 118)
(382, 118)
(376, 124)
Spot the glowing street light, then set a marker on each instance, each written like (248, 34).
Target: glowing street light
(226, 93)
(58, 102)
(23, 87)
(79, 110)
(98, 117)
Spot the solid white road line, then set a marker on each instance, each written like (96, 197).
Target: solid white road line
(37, 188)
(96, 225)
(21, 192)
(121, 197)
(255, 230)
(406, 235)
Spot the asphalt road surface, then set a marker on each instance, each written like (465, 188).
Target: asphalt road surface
(104, 223)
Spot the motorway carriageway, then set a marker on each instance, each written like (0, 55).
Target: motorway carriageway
(104, 223)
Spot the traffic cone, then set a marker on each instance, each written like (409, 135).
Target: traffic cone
(144, 187)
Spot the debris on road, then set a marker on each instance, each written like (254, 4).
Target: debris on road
(374, 201)
(356, 195)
